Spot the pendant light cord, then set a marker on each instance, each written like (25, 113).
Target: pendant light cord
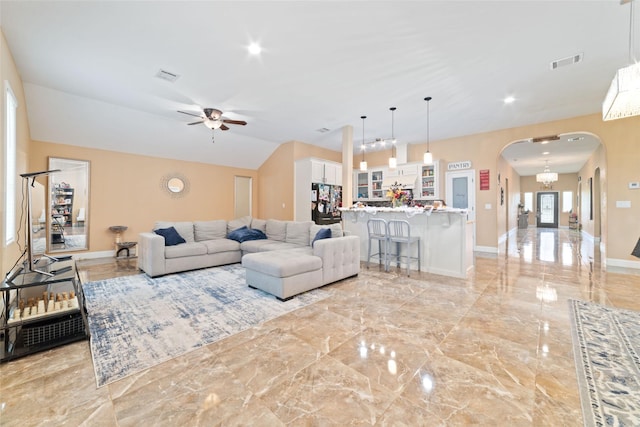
(631, 55)
(393, 139)
(363, 146)
(428, 98)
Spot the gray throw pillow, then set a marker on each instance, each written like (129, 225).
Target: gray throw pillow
(276, 230)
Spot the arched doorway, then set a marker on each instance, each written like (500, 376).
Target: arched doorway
(578, 159)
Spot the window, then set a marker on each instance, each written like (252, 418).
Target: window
(528, 202)
(11, 105)
(567, 201)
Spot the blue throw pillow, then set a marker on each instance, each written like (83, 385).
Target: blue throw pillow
(171, 236)
(323, 233)
(243, 234)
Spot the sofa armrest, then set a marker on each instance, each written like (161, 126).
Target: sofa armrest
(340, 257)
(151, 254)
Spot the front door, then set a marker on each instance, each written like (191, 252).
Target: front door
(547, 210)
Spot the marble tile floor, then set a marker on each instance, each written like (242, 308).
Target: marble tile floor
(384, 349)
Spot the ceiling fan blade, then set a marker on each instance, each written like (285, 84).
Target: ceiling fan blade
(191, 114)
(235, 122)
(223, 127)
(196, 123)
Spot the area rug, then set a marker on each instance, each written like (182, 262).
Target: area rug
(606, 347)
(137, 322)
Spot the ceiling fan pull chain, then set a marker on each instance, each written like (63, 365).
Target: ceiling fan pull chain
(213, 134)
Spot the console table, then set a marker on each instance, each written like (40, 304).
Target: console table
(41, 312)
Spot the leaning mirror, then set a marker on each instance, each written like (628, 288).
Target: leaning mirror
(68, 220)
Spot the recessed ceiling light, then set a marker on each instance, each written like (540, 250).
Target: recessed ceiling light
(254, 49)
(545, 153)
(509, 100)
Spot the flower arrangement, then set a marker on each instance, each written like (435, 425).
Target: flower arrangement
(397, 196)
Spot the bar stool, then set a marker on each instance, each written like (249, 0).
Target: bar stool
(399, 232)
(377, 230)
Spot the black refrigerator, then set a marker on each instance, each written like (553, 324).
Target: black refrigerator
(325, 201)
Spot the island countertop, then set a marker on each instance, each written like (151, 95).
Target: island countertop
(446, 236)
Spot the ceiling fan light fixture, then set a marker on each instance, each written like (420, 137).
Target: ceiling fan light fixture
(213, 124)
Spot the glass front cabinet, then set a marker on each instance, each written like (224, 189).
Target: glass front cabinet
(430, 182)
(369, 185)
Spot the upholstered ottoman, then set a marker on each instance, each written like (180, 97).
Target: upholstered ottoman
(283, 273)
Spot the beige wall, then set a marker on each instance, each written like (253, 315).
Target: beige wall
(8, 72)
(276, 177)
(125, 189)
(510, 182)
(629, 223)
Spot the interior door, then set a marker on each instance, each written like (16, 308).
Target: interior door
(460, 192)
(242, 196)
(547, 209)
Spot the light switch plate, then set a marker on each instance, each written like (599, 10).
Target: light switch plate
(623, 203)
(487, 206)
(634, 185)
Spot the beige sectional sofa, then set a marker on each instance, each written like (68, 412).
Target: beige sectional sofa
(285, 264)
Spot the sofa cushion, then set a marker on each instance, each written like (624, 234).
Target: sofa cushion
(171, 236)
(185, 229)
(208, 230)
(336, 230)
(324, 233)
(276, 230)
(234, 224)
(185, 250)
(281, 263)
(298, 232)
(221, 245)
(259, 224)
(243, 234)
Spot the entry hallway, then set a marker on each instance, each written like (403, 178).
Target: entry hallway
(383, 349)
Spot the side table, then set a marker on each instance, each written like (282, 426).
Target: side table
(125, 247)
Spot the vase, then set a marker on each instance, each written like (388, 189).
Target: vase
(396, 203)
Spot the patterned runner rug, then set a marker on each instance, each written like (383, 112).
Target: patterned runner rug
(606, 346)
(137, 322)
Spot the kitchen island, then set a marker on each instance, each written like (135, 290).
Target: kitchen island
(445, 234)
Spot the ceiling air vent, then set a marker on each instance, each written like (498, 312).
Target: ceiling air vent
(167, 75)
(323, 130)
(569, 60)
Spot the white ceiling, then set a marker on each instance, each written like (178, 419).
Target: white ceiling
(88, 70)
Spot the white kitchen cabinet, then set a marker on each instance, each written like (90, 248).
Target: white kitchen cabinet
(325, 172)
(429, 182)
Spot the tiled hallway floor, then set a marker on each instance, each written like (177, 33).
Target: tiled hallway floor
(383, 349)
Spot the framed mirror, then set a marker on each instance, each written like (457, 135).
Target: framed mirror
(175, 185)
(68, 201)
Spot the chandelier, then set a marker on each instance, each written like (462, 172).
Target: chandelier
(546, 177)
(623, 97)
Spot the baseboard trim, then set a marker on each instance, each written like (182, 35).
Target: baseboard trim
(94, 255)
(624, 263)
(487, 249)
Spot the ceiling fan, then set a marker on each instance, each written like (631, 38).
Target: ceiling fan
(213, 119)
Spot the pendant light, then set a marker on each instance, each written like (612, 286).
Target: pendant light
(623, 97)
(363, 163)
(546, 177)
(428, 157)
(393, 161)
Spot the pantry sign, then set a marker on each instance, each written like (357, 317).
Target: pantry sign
(457, 166)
